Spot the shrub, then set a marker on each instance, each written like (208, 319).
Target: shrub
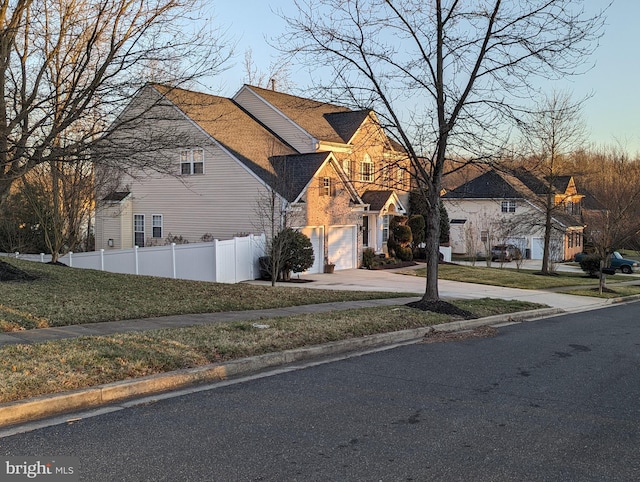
(591, 264)
(402, 234)
(293, 252)
(404, 253)
(417, 225)
(368, 258)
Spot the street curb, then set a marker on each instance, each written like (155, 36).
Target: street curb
(49, 405)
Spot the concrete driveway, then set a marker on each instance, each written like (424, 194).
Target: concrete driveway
(392, 280)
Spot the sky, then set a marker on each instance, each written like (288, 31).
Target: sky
(611, 114)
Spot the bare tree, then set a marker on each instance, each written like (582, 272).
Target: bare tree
(67, 67)
(444, 77)
(612, 213)
(551, 133)
(60, 195)
(276, 77)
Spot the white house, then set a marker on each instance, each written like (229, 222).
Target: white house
(496, 208)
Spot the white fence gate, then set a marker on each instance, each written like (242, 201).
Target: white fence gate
(229, 261)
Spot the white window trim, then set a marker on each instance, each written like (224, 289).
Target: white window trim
(153, 225)
(326, 186)
(144, 233)
(188, 156)
(508, 206)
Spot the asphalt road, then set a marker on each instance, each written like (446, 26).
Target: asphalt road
(555, 399)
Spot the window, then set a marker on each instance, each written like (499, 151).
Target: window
(138, 230)
(366, 169)
(508, 206)
(347, 166)
(570, 240)
(385, 229)
(386, 176)
(156, 225)
(401, 176)
(484, 236)
(191, 161)
(325, 186)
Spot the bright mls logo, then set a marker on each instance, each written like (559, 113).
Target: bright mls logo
(55, 469)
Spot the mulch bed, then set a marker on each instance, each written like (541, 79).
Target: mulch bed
(439, 306)
(9, 272)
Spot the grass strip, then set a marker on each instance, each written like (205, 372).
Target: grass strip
(512, 278)
(615, 292)
(30, 370)
(67, 296)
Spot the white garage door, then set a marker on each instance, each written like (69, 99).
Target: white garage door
(342, 246)
(316, 237)
(537, 248)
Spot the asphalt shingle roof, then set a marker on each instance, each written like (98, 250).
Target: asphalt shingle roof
(295, 171)
(376, 199)
(234, 128)
(489, 185)
(326, 122)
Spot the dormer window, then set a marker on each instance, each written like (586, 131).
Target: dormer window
(191, 161)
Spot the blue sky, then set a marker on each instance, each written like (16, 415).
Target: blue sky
(612, 114)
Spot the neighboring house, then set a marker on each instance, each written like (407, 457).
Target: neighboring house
(496, 208)
(335, 170)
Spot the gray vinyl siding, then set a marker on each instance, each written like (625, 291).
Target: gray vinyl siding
(300, 140)
(220, 202)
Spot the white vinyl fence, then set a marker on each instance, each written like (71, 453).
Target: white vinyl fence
(228, 261)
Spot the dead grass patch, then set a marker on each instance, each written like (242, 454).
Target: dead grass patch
(31, 370)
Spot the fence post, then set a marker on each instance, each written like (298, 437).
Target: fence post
(42, 257)
(135, 258)
(71, 259)
(173, 259)
(102, 259)
(251, 256)
(235, 258)
(216, 269)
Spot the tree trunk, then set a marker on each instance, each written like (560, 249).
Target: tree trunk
(432, 241)
(547, 235)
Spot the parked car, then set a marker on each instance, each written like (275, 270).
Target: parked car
(627, 266)
(505, 252)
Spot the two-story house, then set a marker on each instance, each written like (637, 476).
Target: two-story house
(497, 207)
(335, 170)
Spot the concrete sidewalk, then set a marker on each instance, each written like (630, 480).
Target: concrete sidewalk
(181, 321)
(392, 281)
(352, 279)
(368, 280)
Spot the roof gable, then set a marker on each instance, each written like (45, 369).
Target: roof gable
(233, 128)
(381, 200)
(295, 172)
(309, 114)
(489, 185)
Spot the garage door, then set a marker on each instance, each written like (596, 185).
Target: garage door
(537, 248)
(342, 246)
(316, 237)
